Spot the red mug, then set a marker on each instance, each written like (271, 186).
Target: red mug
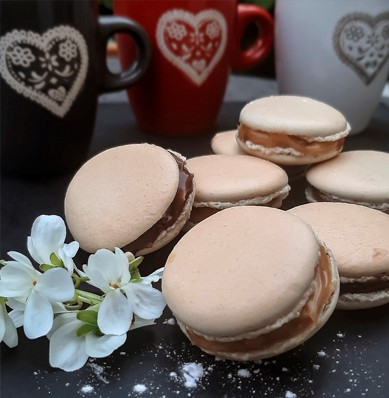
(195, 43)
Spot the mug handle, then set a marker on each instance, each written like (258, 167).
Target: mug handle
(247, 14)
(110, 25)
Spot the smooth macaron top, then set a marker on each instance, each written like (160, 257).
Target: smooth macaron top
(119, 194)
(240, 270)
(355, 175)
(293, 115)
(357, 236)
(224, 143)
(230, 178)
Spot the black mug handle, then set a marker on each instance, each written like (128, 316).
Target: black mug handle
(111, 25)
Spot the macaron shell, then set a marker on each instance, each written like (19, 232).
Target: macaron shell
(240, 270)
(357, 236)
(355, 175)
(363, 301)
(224, 143)
(293, 115)
(230, 178)
(119, 194)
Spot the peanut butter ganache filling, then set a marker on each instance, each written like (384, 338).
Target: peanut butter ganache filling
(300, 144)
(171, 215)
(306, 319)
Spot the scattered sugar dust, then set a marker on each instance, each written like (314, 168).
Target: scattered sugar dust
(139, 388)
(192, 373)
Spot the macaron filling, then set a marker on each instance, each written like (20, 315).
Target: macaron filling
(306, 318)
(292, 145)
(373, 284)
(171, 215)
(315, 195)
(200, 213)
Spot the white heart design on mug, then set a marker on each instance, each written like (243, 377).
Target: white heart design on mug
(362, 42)
(194, 43)
(49, 69)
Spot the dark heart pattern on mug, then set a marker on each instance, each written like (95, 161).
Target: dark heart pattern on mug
(362, 42)
(194, 43)
(49, 69)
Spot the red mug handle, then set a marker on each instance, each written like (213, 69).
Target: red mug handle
(247, 14)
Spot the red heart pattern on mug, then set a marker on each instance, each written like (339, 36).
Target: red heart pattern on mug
(194, 43)
(49, 69)
(362, 42)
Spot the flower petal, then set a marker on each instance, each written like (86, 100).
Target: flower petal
(38, 316)
(17, 317)
(100, 347)
(20, 258)
(11, 335)
(56, 284)
(2, 322)
(15, 305)
(33, 252)
(16, 280)
(71, 248)
(48, 233)
(67, 350)
(96, 279)
(146, 302)
(62, 320)
(67, 261)
(140, 323)
(115, 315)
(153, 277)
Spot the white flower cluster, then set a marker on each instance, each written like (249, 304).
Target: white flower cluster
(176, 31)
(79, 324)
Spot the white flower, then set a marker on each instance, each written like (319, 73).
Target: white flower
(8, 332)
(21, 56)
(70, 352)
(48, 235)
(110, 273)
(21, 281)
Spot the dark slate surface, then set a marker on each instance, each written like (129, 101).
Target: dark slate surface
(348, 357)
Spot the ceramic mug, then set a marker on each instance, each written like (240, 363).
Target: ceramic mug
(52, 69)
(195, 43)
(334, 51)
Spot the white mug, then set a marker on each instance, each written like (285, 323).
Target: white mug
(336, 51)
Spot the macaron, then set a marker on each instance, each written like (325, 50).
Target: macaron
(358, 177)
(291, 130)
(224, 181)
(224, 143)
(135, 197)
(249, 283)
(359, 240)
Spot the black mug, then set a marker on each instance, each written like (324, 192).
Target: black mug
(52, 69)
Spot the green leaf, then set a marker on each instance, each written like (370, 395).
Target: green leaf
(3, 300)
(55, 260)
(88, 316)
(134, 264)
(2, 262)
(85, 329)
(45, 267)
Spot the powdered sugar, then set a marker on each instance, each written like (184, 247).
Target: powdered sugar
(139, 388)
(192, 373)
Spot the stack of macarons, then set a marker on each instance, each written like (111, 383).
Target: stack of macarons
(285, 267)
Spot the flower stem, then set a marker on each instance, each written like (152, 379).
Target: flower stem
(91, 297)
